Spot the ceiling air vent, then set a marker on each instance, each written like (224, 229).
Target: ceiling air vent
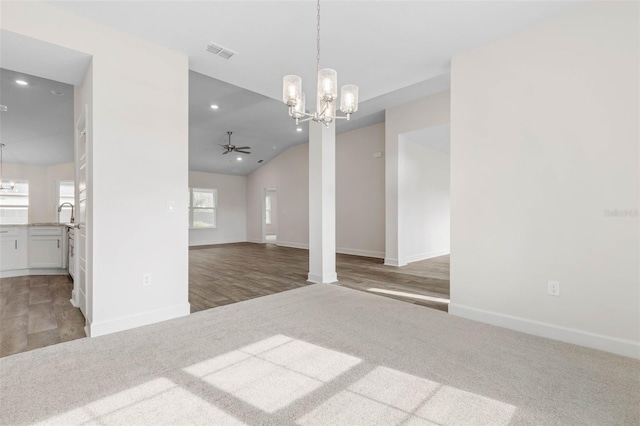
(218, 50)
(3, 108)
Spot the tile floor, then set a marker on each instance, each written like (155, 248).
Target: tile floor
(35, 312)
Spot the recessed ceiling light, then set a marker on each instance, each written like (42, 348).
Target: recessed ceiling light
(22, 82)
(299, 129)
(53, 92)
(214, 106)
(239, 158)
(275, 147)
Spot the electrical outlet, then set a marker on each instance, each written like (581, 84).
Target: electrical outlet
(553, 288)
(146, 279)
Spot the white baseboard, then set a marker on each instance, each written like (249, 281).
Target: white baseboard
(319, 279)
(37, 271)
(358, 252)
(392, 262)
(253, 240)
(293, 245)
(422, 256)
(213, 242)
(624, 347)
(119, 324)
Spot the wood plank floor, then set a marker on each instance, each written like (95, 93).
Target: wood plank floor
(35, 311)
(228, 273)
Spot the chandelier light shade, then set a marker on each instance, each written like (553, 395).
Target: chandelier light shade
(326, 96)
(327, 84)
(299, 108)
(291, 89)
(349, 98)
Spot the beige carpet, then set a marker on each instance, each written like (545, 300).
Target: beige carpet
(319, 355)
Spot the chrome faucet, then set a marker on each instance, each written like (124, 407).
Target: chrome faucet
(60, 209)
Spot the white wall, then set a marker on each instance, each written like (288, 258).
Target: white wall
(423, 202)
(544, 142)
(43, 189)
(289, 174)
(231, 210)
(359, 194)
(426, 112)
(139, 137)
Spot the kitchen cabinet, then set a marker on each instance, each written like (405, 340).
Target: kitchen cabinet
(46, 247)
(35, 249)
(13, 248)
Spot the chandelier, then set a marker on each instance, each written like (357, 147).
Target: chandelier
(11, 185)
(327, 95)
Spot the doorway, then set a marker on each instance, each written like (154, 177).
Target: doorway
(42, 101)
(270, 215)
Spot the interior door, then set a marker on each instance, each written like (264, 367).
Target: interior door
(80, 277)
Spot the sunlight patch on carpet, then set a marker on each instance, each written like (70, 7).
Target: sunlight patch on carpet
(409, 295)
(391, 397)
(157, 402)
(274, 372)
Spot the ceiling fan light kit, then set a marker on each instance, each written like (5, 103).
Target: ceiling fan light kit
(327, 93)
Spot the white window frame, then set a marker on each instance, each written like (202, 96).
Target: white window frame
(268, 210)
(214, 209)
(28, 206)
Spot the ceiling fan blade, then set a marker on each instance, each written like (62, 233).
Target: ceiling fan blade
(226, 152)
(243, 152)
(243, 147)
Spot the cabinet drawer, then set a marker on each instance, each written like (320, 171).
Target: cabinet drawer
(8, 232)
(45, 230)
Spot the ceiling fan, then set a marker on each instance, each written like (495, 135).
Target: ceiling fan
(232, 148)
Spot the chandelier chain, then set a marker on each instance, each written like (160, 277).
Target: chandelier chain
(318, 39)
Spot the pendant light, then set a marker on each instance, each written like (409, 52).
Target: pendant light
(327, 92)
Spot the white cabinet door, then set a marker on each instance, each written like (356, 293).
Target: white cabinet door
(45, 252)
(13, 249)
(9, 254)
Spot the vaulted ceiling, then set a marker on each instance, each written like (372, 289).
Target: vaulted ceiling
(396, 51)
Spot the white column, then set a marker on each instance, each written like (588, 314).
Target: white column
(392, 197)
(322, 203)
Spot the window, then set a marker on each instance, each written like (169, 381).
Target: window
(267, 210)
(14, 204)
(66, 194)
(202, 207)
